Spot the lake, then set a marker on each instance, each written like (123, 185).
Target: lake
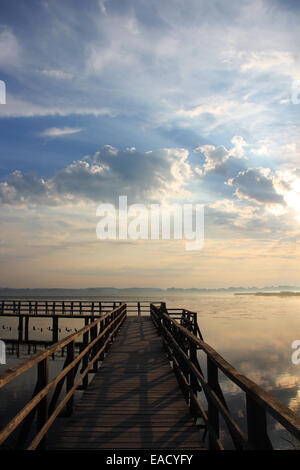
(253, 333)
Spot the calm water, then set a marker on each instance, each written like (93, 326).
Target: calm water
(253, 333)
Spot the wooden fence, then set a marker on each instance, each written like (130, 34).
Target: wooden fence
(96, 339)
(27, 310)
(69, 308)
(182, 343)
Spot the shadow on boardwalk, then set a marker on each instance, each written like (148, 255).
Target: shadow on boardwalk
(134, 400)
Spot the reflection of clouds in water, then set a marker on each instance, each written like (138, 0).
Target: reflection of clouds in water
(294, 402)
(252, 333)
(229, 388)
(261, 350)
(287, 380)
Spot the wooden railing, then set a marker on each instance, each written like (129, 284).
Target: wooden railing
(68, 308)
(54, 310)
(96, 339)
(182, 344)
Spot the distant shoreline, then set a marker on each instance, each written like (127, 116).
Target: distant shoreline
(277, 294)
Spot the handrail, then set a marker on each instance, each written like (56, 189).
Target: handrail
(73, 308)
(92, 350)
(181, 345)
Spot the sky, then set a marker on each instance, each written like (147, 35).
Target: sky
(193, 102)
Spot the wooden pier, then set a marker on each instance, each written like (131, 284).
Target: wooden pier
(134, 400)
(55, 310)
(149, 390)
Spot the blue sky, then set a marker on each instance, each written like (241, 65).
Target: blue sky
(190, 101)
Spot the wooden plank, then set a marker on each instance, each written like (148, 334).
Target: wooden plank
(133, 401)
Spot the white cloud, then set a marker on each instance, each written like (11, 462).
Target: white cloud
(230, 211)
(287, 184)
(257, 185)
(154, 176)
(10, 53)
(56, 73)
(60, 132)
(16, 107)
(264, 61)
(218, 109)
(216, 158)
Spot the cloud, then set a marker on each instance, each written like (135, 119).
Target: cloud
(219, 159)
(10, 52)
(20, 188)
(228, 212)
(257, 185)
(60, 132)
(152, 176)
(17, 107)
(259, 62)
(56, 73)
(219, 109)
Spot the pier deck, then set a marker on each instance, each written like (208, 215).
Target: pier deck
(134, 400)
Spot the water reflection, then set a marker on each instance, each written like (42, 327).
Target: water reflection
(252, 333)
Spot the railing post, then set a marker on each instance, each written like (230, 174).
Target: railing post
(20, 328)
(257, 425)
(70, 377)
(54, 328)
(194, 386)
(42, 407)
(26, 328)
(95, 347)
(106, 334)
(101, 340)
(85, 360)
(213, 412)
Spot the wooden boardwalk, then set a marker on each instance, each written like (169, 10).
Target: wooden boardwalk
(134, 401)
